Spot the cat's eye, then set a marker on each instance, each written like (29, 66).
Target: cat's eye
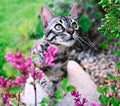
(58, 27)
(74, 25)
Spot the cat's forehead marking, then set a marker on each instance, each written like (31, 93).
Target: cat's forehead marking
(66, 19)
(61, 21)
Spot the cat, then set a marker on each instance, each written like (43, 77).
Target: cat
(62, 31)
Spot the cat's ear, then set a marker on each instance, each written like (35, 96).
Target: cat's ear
(46, 15)
(75, 11)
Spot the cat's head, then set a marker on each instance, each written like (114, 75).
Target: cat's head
(61, 30)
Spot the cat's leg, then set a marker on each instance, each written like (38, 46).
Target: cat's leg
(47, 85)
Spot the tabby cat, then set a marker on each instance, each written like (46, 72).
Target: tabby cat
(61, 31)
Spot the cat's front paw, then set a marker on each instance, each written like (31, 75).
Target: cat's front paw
(47, 85)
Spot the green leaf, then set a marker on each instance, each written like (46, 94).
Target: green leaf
(58, 99)
(115, 102)
(26, 46)
(14, 89)
(59, 94)
(1, 90)
(45, 100)
(102, 99)
(106, 88)
(107, 100)
(42, 104)
(14, 102)
(84, 22)
(110, 76)
(100, 90)
(118, 78)
(113, 88)
(64, 83)
(117, 52)
(70, 88)
(9, 70)
(118, 65)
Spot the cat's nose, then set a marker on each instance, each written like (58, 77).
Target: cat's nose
(70, 31)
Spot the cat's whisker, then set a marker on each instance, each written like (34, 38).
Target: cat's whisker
(81, 43)
(91, 43)
(88, 43)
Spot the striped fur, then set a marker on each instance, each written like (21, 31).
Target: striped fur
(61, 31)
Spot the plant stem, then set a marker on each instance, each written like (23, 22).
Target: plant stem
(19, 98)
(35, 94)
(34, 85)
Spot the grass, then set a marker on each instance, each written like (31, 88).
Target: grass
(17, 17)
(14, 13)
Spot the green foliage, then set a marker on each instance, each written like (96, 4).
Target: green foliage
(17, 18)
(104, 100)
(111, 26)
(70, 88)
(14, 90)
(9, 70)
(44, 102)
(60, 93)
(64, 83)
(84, 22)
(111, 76)
(13, 102)
(115, 101)
(108, 92)
(111, 30)
(117, 52)
(65, 87)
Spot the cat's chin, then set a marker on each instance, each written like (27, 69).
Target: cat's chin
(68, 44)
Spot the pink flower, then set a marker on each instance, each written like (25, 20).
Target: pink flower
(6, 98)
(20, 79)
(10, 83)
(75, 93)
(19, 61)
(50, 55)
(52, 49)
(78, 100)
(38, 74)
(49, 59)
(84, 100)
(9, 57)
(27, 62)
(2, 82)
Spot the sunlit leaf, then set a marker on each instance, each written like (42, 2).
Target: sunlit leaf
(100, 90)
(118, 65)
(70, 88)
(110, 76)
(14, 102)
(102, 99)
(115, 101)
(64, 83)
(14, 90)
(45, 101)
(9, 70)
(59, 94)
